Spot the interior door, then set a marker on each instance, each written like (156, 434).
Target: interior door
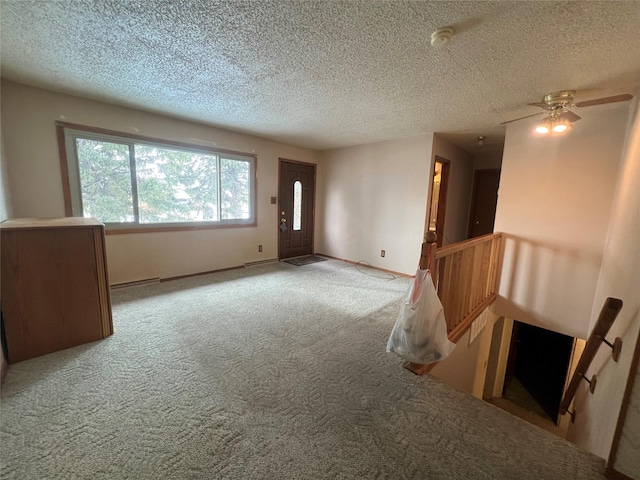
(483, 202)
(296, 207)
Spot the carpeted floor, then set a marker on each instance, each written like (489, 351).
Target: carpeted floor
(273, 372)
(517, 393)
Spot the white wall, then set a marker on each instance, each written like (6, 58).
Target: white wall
(627, 458)
(466, 367)
(488, 160)
(459, 188)
(5, 193)
(5, 213)
(31, 152)
(619, 277)
(374, 197)
(554, 208)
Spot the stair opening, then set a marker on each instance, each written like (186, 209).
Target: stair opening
(537, 367)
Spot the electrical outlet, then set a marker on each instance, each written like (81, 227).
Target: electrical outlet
(260, 248)
(382, 253)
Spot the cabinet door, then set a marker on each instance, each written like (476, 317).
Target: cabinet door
(50, 291)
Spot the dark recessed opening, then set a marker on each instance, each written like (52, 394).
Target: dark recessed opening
(537, 369)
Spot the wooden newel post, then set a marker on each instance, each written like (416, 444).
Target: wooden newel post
(427, 261)
(428, 252)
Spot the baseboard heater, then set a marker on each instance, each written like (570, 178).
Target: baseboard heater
(260, 262)
(137, 283)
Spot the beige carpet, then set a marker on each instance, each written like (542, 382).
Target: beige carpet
(273, 372)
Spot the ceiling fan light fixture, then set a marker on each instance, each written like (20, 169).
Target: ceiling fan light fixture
(554, 123)
(561, 125)
(545, 126)
(560, 105)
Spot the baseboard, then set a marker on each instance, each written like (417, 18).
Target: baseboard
(260, 262)
(151, 281)
(136, 283)
(368, 266)
(169, 279)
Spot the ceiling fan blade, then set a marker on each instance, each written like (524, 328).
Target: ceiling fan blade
(522, 118)
(540, 104)
(572, 117)
(601, 101)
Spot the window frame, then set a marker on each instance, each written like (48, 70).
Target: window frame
(296, 212)
(69, 166)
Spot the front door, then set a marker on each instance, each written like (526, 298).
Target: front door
(296, 205)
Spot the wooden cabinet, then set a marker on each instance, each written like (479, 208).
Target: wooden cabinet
(55, 287)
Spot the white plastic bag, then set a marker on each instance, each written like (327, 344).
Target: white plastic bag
(420, 333)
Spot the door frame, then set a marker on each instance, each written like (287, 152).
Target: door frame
(282, 160)
(442, 197)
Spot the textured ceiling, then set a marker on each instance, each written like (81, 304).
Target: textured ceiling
(324, 74)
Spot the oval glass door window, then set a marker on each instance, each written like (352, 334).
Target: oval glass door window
(297, 205)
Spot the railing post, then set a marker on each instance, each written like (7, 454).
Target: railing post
(427, 262)
(428, 252)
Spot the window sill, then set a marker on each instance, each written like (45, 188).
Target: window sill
(117, 230)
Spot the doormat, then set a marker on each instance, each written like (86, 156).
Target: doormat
(309, 259)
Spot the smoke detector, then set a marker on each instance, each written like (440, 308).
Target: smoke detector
(441, 36)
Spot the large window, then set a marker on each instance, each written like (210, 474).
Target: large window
(130, 182)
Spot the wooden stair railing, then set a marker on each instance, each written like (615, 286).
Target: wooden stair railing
(608, 314)
(465, 275)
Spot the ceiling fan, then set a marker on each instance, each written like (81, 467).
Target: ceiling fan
(559, 105)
